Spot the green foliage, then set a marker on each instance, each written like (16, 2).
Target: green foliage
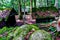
(18, 33)
(53, 9)
(3, 30)
(8, 4)
(47, 8)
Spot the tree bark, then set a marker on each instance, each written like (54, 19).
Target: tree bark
(19, 8)
(30, 6)
(35, 5)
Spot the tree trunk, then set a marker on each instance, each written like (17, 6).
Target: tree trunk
(30, 6)
(19, 8)
(34, 9)
(35, 5)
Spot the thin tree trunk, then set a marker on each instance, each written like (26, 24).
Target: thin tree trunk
(24, 13)
(30, 6)
(34, 9)
(19, 7)
(35, 5)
